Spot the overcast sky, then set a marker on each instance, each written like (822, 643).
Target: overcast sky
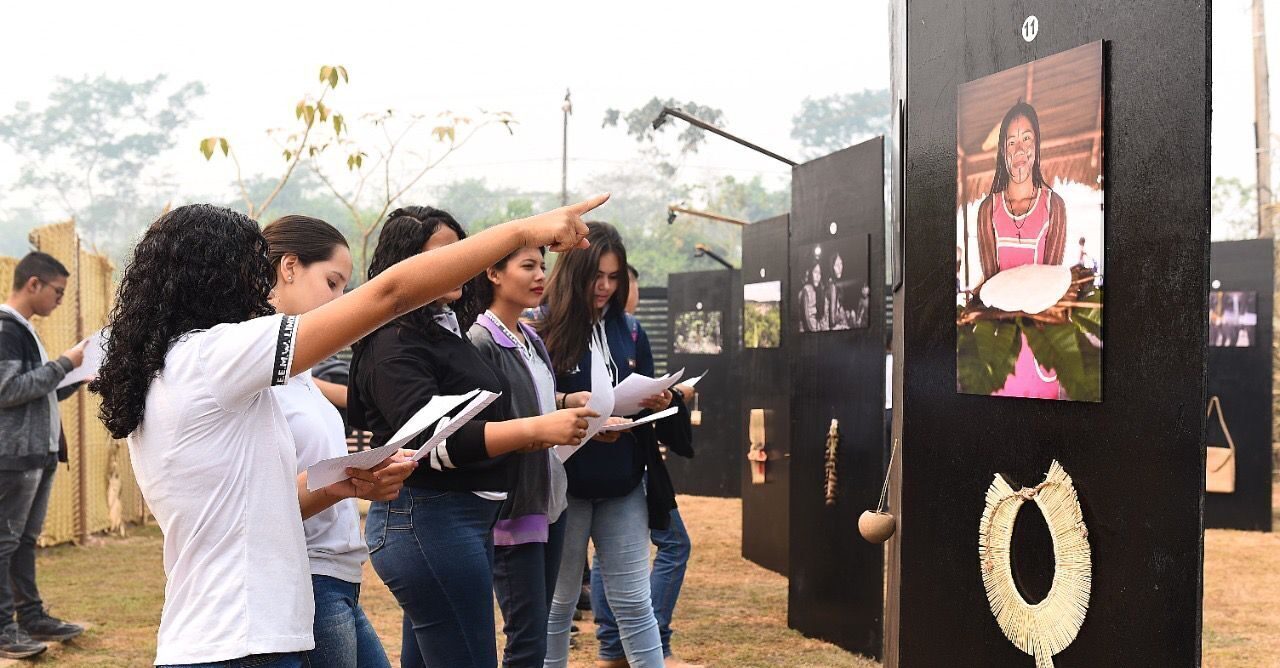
(257, 58)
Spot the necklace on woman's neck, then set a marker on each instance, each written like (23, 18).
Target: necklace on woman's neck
(522, 342)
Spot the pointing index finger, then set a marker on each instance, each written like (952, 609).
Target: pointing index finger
(588, 204)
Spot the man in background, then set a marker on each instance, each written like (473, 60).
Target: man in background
(31, 445)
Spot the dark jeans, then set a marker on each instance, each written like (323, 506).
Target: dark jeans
(524, 578)
(290, 660)
(665, 581)
(24, 501)
(434, 550)
(344, 636)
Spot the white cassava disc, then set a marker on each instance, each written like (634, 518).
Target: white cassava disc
(1030, 288)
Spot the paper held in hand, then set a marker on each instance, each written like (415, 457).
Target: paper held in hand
(637, 387)
(601, 402)
(451, 424)
(94, 351)
(330, 471)
(644, 420)
(693, 382)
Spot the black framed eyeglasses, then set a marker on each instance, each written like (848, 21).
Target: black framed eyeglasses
(59, 291)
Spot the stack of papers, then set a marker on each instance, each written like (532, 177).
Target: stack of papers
(333, 470)
(94, 350)
(637, 387)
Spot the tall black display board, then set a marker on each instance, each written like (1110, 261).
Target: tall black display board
(704, 311)
(764, 379)
(837, 585)
(1240, 376)
(1136, 457)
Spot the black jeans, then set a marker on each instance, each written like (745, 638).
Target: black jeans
(24, 501)
(524, 578)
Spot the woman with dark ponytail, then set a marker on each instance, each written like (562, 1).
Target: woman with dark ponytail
(433, 544)
(194, 349)
(529, 533)
(616, 491)
(312, 266)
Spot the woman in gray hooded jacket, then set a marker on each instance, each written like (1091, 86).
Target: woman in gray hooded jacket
(529, 534)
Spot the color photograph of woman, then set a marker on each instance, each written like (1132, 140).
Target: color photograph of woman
(1029, 142)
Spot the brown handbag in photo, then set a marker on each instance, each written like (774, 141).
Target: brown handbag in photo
(1220, 462)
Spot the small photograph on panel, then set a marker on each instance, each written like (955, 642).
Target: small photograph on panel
(834, 294)
(1233, 319)
(762, 314)
(698, 333)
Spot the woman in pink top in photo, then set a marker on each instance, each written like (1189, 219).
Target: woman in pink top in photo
(1022, 222)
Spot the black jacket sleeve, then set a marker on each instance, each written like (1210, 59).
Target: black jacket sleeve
(401, 384)
(676, 431)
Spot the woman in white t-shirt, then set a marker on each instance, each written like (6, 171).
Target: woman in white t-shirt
(194, 346)
(312, 266)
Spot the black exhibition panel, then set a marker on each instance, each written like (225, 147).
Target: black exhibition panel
(704, 309)
(764, 379)
(836, 577)
(1137, 457)
(1240, 376)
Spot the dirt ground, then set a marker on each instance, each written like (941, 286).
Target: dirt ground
(732, 613)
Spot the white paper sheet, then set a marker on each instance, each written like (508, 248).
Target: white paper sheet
(636, 388)
(693, 382)
(644, 420)
(94, 351)
(326, 472)
(602, 398)
(448, 426)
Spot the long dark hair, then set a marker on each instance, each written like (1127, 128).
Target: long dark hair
(403, 235)
(197, 266)
(1001, 180)
(310, 239)
(570, 300)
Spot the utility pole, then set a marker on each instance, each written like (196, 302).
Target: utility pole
(567, 108)
(1262, 123)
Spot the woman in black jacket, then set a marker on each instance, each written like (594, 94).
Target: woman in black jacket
(585, 324)
(433, 545)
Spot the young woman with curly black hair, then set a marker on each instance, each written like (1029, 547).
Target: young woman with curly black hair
(194, 347)
(312, 267)
(433, 545)
(616, 491)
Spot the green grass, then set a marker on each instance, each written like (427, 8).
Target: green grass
(732, 614)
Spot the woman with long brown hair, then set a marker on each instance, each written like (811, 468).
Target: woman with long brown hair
(617, 491)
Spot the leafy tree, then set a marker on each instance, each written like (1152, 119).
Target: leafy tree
(830, 123)
(1235, 209)
(310, 113)
(367, 192)
(639, 125)
(88, 150)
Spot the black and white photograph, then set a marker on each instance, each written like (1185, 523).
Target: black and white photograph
(698, 333)
(833, 293)
(1233, 318)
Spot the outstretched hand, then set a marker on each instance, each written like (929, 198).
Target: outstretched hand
(561, 229)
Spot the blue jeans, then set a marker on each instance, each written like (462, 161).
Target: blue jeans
(665, 581)
(24, 502)
(290, 660)
(619, 527)
(344, 636)
(434, 550)
(524, 578)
